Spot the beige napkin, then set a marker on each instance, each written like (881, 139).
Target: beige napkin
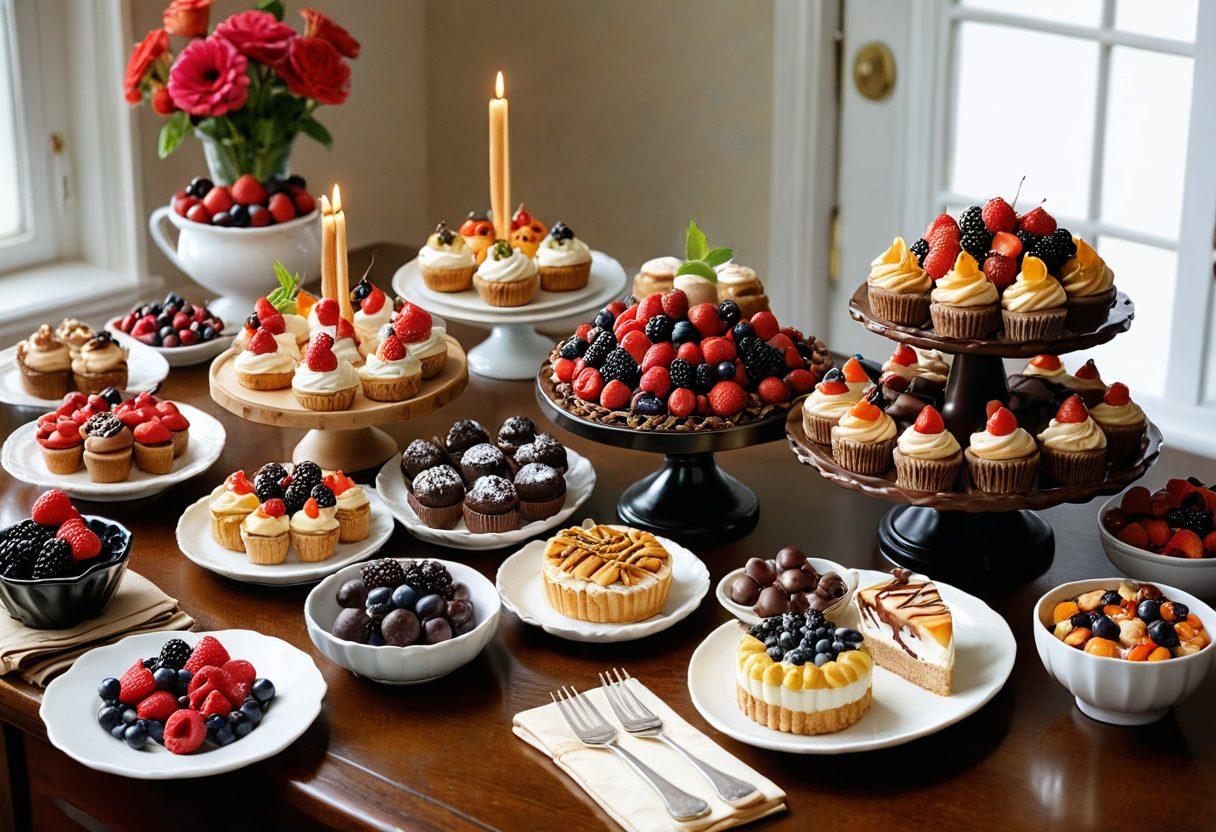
(621, 793)
(138, 606)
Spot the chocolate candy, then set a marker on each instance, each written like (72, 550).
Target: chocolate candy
(795, 580)
(787, 583)
(772, 601)
(763, 573)
(791, 557)
(745, 590)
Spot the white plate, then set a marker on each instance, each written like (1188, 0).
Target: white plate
(390, 482)
(822, 565)
(180, 356)
(22, 457)
(195, 541)
(519, 584)
(901, 712)
(145, 370)
(70, 705)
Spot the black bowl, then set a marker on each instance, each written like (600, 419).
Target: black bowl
(59, 603)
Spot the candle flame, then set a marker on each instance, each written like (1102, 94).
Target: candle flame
(326, 209)
(337, 198)
(499, 87)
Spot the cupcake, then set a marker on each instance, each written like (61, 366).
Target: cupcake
(1087, 383)
(107, 448)
(153, 447)
(1124, 424)
(507, 277)
(478, 234)
(462, 435)
(1074, 447)
(515, 432)
(177, 424)
(898, 287)
(483, 460)
(425, 339)
(1032, 308)
(446, 261)
(74, 334)
(491, 505)
(436, 497)
(821, 410)
(545, 450)
(354, 509)
(45, 365)
(372, 311)
(326, 318)
(229, 505)
(1090, 286)
(391, 373)
(101, 363)
(265, 533)
(563, 260)
(927, 456)
(314, 532)
(657, 275)
(324, 382)
(964, 304)
(541, 491)
(62, 445)
(739, 283)
(526, 231)
(697, 288)
(863, 439)
(932, 365)
(263, 364)
(420, 455)
(1002, 458)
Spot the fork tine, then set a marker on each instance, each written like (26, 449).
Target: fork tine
(579, 704)
(632, 698)
(618, 705)
(586, 700)
(563, 705)
(624, 696)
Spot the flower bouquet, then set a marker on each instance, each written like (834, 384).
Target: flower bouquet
(245, 90)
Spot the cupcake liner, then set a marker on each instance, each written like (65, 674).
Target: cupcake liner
(432, 365)
(818, 428)
(448, 280)
(1087, 312)
(927, 474)
(313, 548)
(263, 550)
(391, 389)
(444, 517)
(63, 460)
(44, 385)
(965, 321)
(863, 457)
(154, 459)
(326, 402)
(265, 381)
(1002, 476)
(541, 510)
(636, 604)
(1123, 443)
(181, 441)
(111, 467)
(900, 308)
(1040, 325)
(502, 293)
(226, 530)
(89, 383)
(1074, 467)
(480, 523)
(354, 524)
(564, 278)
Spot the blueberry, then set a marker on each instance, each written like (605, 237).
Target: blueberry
(770, 641)
(822, 632)
(430, 606)
(183, 701)
(799, 657)
(242, 728)
(729, 312)
(726, 370)
(1149, 610)
(199, 187)
(823, 645)
(405, 597)
(183, 679)
(821, 659)
(129, 716)
(109, 716)
(223, 219)
(251, 712)
(262, 690)
(208, 333)
(775, 653)
(156, 730)
(1163, 633)
(1111, 597)
(604, 319)
(684, 331)
(847, 634)
(240, 215)
(109, 689)
(786, 641)
(165, 678)
(1080, 619)
(224, 735)
(1181, 611)
(1104, 627)
(380, 595)
(648, 404)
(119, 730)
(743, 330)
(838, 647)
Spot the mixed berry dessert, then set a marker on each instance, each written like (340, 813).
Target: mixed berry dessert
(1135, 622)
(403, 602)
(174, 322)
(1176, 521)
(56, 542)
(246, 203)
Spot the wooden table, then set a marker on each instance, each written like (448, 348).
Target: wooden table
(441, 756)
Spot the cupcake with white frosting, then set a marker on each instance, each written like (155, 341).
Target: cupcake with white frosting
(563, 260)
(314, 532)
(1074, 447)
(1002, 458)
(507, 277)
(927, 456)
(353, 510)
(830, 400)
(265, 364)
(1123, 422)
(446, 261)
(391, 373)
(265, 533)
(325, 382)
(424, 336)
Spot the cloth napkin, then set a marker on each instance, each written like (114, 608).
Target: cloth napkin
(138, 606)
(621, 793)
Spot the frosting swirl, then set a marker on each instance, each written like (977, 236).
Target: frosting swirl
(226, 501)
(896, 270)
(565, 252)
(1117, 415)
(454, 254)
(1086, 273)
(352, 498)
(434, 344)
(342, 377)
(1013, 445)
(99, 355)
(830, 405)
(257, 364)
(1073, 436)
(303, 524)
(736, 275)
(377, 367)
(868, 431)
(43, 353)
(1034, 290)
(510, 269)
(263, 525)
(940, 445)
(965, 285)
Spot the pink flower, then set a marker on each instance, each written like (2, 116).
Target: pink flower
(209, 79)
(257, 35)
(314, 69)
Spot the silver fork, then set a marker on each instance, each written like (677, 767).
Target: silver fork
(640, 721)
(589, 725)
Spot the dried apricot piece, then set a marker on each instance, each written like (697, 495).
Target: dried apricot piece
(1141, 652)
(1158, 655)
(1102, 647)
(1063, 610)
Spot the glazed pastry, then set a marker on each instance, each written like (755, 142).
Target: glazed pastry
(830, 400)
(353, 509)
(45, 365)
(657, 275)
(418, 456)
(265, 533)
(324, 382)
(391, 373)
(927, 456)
(909, 630)
(263, 364)
(507, 276)
(101, 363)
(515, 432)
(446, 261)
(62, 445)
(478, 234)
(605, 574)
(863, 439)
(107, 448)
(964, 304)
(229, 505)
(1123, 422)
(178, 425)
(1032, 309)
(372, 311)
(74, 334)
(740, 284)
(898, 287)
(491, 505)
(153, 448)
(564, 261)
(482, 460)
(541, 490)
(314, 532)
(423, 336)
(1002, 458)
(1090, 286)
(437, 496)
(545, 450)
(1074, 447)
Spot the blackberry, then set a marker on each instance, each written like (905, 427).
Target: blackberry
(54, 559)
(1055, 249)
(383, 572)
(1200, 522)
(429, 577)
(17, 557)
(729, 312)
(706, 378)
(272, 470)
(574, 349)
(296, 495)
(620, 366)
(174, 654)
(659, 328)
(306, 471)
(682, 374)
(599, 349)
(27, 530)
(267, 487)
(1029, 242)
(921, 249)
(323, 495)
(760, 360)
(972, 220)
(976, 243)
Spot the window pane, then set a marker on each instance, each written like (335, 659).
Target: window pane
(1050, 142)
(10, 194)
(1080, 12)
(1163, 18)
(1148, 115)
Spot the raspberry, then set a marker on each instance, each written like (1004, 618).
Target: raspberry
(563, 368)
(716, 350)
(1072, 411)
(942, 222)
(589, 384)
(320, 357)
(691, 353)
(650, 306)
(159, 706)
(1001, 422)
(247, 190)
(704, 316)
(657, 380)
(675, 304)
(615, 395)
(636, 344)
(136, 684)
(240, 671)
(773, 390)
(1000, 270)
(52, 508)
(765, 325)
(84, 541)
(208, 652)
(327, 312)
(659, 355)
(1037, 222)
(727, 398)
(623, 328)
(215, 703)
(185, 731)
(998, 215)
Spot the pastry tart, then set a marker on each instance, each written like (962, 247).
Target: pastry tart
(606, 574)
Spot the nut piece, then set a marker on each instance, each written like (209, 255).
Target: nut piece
(1131, 631)
(1078, 636)
(1090, 601)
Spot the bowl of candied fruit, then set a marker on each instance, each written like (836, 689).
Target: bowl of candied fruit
(1126, 651)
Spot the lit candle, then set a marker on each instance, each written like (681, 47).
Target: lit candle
(500, 162)
(327, 248)
(342, 272)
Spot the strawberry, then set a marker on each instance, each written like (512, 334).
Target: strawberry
(1046, 362)
(198, 213)
(765, 324)
(740, 374)
(215, 703)
(1000, 270)
(675, 304)
(993, 406)
(344, 329)
(320, 357)
(929, 421)
(772, 390)
(159, 706)
(904, 356)
(1133, 534)
(942, 222)
(1162, 504)
(391, 349)
(563, 368)
(704, 408)
(705, 317)
(1072, 411)
(615, 395)
(682, 402)
(781, 341)
(636, 344)
(715, 350)
(262, 343)
(374, 302)
(1037, 222)
(135, 684)
(240, 671)
(1209, 544)
(1137, 502)
(247, 190)
(616, 308)
(327, 312)
(1178, 488)
(794, 359)
(218, 200)
(185, 731)
(1184, 544)
(582, 331)
(625, 327)
(588, 385)
(630, 314)
(259, 217)
(998, 215)
(311, 508)
(1117, 395)
(865, 411)
(657, 380)
(800, 381)
(940, 259)
(659, 355)
(1088, 371)
(305, 204)
(84, 541)
(650, 306)
(207, 653)
(727, 398)
(52, 508)
(1007, 244)
(413, 323)
(1158, 533)
(282, 207)
(1002, 422)
(275, 324)
(691, 353)
(182, 207)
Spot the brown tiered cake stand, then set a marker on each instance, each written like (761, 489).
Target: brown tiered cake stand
(343, 439)
(967, 533)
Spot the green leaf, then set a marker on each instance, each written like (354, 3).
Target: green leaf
(275, 7)
(172, 133)
(284, 297)
(717, 256)
(699, 267)
(316, 130)
(696, 245)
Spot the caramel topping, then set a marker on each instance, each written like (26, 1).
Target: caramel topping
(905, 603)
(605, 556)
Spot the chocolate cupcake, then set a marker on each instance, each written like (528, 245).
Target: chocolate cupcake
(541, 489)
(491, 506)
(420, 455)
(463, 435)
(543, 449)
(436, 496)
(483, 460)
(516, 431)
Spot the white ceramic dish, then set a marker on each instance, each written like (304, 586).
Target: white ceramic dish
(390, 482)
(519, 584)
(822, 566)
(1196, 576)
(22, 457)
(70, 705)
(902, 712)
(146, 369)
(1115, 690)
(180, 356)
(411, 665)
(195, 541)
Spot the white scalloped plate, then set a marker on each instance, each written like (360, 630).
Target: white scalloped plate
(145, 370)
(180, 356)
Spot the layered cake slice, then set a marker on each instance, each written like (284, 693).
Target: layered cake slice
(908, 630)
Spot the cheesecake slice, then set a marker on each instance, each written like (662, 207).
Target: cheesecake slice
(908, 630)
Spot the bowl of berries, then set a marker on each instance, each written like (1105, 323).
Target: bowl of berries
(401, 621)
(229, 236)
(185, 333)
(1168, 535)
(59, 567)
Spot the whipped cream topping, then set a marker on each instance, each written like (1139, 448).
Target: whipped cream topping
(663, 268)
(830, 405)
(554, 252)
(453, 255)
(856, 429)
(512, 269)
(1086, 273)
(913, 443)
(367, 325)
(377, 367)
(736, 275)
(965, 285)
(44, 353)
(297, 327)
(1073, 436)
(1013, 445)
(99, 356)
(1032, 369)
(323, 523)
(1117, 415)
(256, 523)
(434, 344)
(1034, 289)
(896, 270)
(933, 364)
(270, 362)
(343, 377)
(286, 340)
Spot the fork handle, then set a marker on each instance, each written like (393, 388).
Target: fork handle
(680, 804)
(730, 789)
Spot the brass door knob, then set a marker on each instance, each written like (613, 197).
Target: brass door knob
(874, 70)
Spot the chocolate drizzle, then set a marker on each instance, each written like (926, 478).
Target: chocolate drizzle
(903, 604)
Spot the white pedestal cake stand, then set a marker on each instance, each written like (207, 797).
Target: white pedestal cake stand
(514, 348)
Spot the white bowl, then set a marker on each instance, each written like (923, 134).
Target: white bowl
(402, 665)
(1115, 690)
(1194, 575)
(822, 565)
(180, 356)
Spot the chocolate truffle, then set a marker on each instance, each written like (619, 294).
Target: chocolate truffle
(541, 489)
(420, 455)
(516, 431)
(482, 461)
(463, 435)
(543, 449)
(491, 506)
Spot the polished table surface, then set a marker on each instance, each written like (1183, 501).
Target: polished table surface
(442, 756)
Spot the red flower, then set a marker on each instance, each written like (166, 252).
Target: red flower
(148, 52)
(257, 35)
(321, 26)
(187, 18)
(314, 69)
(209, 79)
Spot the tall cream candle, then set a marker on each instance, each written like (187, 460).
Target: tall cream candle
(342, 270)
(500, 162)
(327, 248)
